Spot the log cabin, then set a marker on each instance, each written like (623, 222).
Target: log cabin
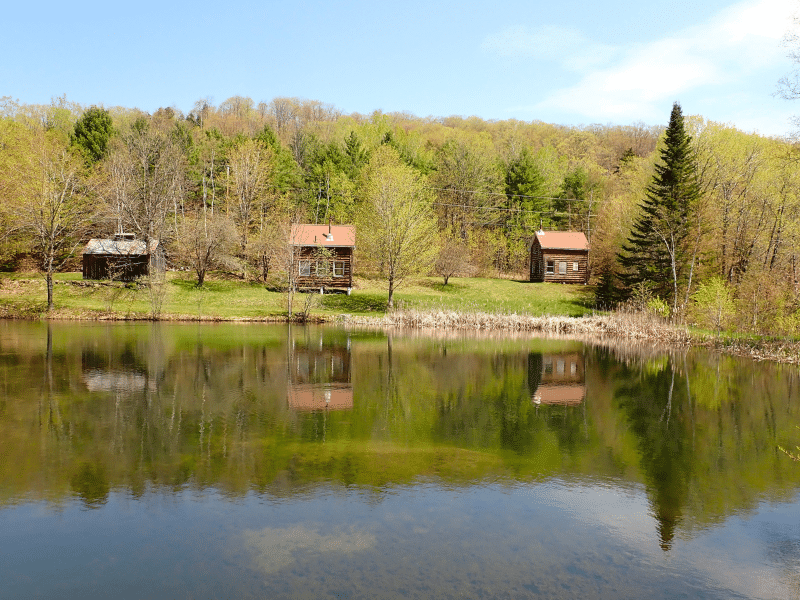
(121, 258)
(560, 257)
(324, 256)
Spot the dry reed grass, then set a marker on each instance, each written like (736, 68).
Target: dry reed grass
(626, 325)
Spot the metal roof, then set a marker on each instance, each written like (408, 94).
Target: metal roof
(323, 235)
(119, 247)
(562, 240)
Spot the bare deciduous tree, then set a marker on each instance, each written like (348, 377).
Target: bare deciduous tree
(453, 259)
(204, 242)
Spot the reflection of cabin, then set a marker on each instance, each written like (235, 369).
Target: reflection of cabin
(319, 374)
(122, 258)
(557, 378)
(560, 257)
(324, 256)
(320, 396)
(117, 381)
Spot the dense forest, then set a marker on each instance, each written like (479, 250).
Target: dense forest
(221, 185)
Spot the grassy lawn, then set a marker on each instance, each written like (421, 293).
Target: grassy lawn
(468, 294)
(24, 294)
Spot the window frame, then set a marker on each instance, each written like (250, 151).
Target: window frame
(550, 267)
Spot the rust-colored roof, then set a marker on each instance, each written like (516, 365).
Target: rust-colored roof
(562, 240)
(559, 394)
(323, 235)
(312, 396)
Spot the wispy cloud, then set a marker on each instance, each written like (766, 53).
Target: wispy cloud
(568, 47)
(630, 80)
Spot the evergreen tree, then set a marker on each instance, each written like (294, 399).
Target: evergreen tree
(525, 187)
(92, 132)
(656, 252)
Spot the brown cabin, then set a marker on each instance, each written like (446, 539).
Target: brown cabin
(121, 258)
(560, 257)
(324, 256)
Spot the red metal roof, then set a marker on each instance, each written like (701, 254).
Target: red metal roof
(323, 235)
(562, 240)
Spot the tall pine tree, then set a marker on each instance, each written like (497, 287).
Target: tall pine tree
(657, 253)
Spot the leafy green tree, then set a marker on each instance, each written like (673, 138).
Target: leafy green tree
(713, 303)
(657, 253)
(92, 132)
(397, 228)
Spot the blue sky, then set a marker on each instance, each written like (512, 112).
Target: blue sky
(572, 63)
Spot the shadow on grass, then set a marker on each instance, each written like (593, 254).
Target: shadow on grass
(355, 302)
(439, 286)
(190, 285)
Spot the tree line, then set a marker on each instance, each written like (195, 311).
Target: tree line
(220, 186)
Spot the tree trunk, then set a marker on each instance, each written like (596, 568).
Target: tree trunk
(49, 291)
(49, 279)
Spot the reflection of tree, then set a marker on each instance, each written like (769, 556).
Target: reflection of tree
(655, 415)
(91, 484)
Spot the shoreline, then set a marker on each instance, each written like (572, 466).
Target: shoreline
(618, 326)
(637, 327)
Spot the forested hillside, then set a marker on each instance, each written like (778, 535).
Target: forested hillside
(221, 185)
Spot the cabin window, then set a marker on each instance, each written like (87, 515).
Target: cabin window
(323, 268)
(562, 268)
(575, 266)
(550, 268)
(305, 268)
(338, 268)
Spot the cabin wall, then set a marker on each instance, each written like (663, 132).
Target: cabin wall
(115, 267)
(334, 271)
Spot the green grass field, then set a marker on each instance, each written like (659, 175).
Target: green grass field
(24, 294)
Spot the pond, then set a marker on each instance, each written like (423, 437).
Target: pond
(254, 461)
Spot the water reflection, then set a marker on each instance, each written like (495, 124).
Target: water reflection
(92, 412)
(557, 378)
(319, 371)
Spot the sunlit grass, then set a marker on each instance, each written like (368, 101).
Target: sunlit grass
(224, 297)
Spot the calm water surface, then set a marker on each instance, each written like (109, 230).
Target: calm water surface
(186, 461)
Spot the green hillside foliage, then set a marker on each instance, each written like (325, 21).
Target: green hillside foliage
(250, 169)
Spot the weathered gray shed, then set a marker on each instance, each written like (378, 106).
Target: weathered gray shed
(121, 258)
